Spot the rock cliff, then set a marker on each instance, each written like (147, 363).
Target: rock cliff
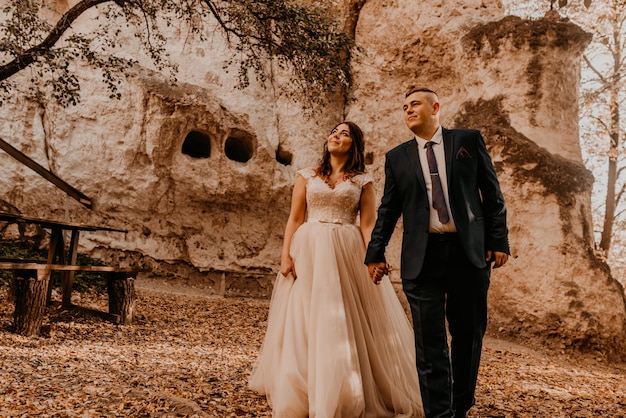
(200, 173)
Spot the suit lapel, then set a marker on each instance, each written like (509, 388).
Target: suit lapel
(448, 144)
(415, 162)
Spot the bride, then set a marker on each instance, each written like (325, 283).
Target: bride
(336, 345)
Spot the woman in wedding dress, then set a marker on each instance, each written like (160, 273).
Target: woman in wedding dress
(336, 345)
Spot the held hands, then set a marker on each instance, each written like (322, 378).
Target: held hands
(377, 271)
(499, 259)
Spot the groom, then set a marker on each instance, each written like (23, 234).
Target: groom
(444, 185)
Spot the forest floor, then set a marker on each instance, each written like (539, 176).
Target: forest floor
(190, 355)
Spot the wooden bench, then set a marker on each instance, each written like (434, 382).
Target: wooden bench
(31, 283)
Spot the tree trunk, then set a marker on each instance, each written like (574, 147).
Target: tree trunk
(609, 213)
(31, 287)
(614, 127)
(121, 287)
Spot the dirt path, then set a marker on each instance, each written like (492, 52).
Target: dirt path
(190, 355)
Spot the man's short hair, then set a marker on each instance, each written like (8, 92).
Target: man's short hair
(416, 89)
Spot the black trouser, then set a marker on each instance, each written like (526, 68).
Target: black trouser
(448, 287)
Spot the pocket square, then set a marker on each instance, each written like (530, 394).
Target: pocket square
(462, 154)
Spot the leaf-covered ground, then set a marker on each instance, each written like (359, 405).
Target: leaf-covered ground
(190, 355)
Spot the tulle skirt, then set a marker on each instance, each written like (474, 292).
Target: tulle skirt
(336, 345)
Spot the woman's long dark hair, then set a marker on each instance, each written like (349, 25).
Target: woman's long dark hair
(356, 159)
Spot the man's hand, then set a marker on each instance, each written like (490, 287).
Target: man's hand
(499, 259)
(377, 271)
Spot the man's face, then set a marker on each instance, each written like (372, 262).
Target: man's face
(420, 110)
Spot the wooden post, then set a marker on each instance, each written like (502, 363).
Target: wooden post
(55, 254)
(223, 284)
(121, 287)
(31, 287)
(67, 277)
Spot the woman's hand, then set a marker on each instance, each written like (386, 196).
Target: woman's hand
(377, 271)
(286, 266)
(296, 218)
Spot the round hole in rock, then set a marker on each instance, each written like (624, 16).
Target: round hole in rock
(197, 145)
(283, 156)
(239, 146)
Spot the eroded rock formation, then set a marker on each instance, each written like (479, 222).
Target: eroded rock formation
(201, 173)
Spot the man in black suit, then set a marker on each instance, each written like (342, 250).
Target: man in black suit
(444, 185)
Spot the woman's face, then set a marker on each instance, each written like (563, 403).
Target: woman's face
(339, 140)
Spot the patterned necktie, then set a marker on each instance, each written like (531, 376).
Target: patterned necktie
(439, 201)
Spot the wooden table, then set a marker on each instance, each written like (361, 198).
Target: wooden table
(61, 260)
(56, 248)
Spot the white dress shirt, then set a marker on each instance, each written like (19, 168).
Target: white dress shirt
(435, 225)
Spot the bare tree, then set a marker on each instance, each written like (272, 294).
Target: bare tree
(300, 38)
(601, 104)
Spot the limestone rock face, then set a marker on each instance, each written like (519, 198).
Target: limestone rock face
(201, 173)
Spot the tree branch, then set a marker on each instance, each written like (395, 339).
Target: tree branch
(618, 214)
(590, 65)
(619, 195)
(29, 56)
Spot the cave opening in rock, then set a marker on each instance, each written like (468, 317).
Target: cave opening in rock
(283, 155)
(197, 145)
(239, 146)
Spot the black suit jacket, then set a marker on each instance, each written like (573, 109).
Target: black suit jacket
(474, 193)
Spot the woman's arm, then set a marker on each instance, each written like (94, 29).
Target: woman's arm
(296, 218)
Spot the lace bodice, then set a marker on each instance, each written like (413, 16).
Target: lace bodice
(335, 205)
